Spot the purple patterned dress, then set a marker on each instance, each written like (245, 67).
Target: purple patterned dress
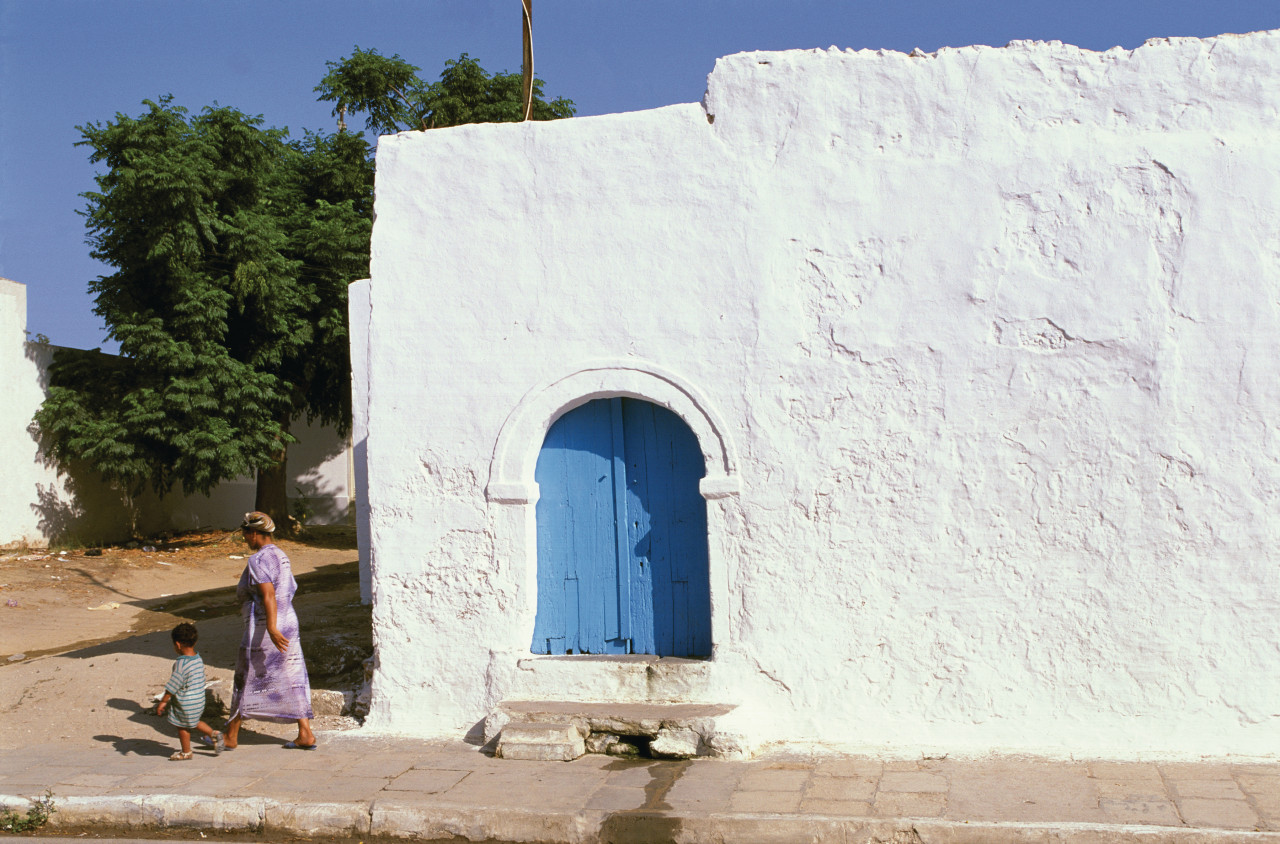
(269, 685)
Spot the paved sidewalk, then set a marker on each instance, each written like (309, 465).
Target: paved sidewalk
(363, 786)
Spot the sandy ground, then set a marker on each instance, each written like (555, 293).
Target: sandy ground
(84, 639)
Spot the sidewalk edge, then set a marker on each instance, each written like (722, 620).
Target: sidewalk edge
(390, 818)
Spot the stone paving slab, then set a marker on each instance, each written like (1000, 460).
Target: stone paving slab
(394, 788)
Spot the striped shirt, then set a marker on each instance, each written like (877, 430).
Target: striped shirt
(186, 685)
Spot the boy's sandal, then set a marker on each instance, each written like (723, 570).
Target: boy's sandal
(179, 756)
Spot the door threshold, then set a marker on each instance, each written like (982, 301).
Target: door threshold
(622, 658)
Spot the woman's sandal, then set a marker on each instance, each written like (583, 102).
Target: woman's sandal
(217, 742)
(179, 756)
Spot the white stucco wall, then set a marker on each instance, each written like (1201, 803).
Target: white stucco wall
(980, 347)
(39, 504)
(20, 384)
(321, 466)
(358, 311)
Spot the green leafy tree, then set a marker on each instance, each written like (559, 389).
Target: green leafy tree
(388, 91)
(232, 249)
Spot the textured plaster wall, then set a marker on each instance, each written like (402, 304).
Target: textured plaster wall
(39, 504)
(981, 349)
(358, 321)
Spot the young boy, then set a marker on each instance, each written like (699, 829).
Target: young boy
(185, 690)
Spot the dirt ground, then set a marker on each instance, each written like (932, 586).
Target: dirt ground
(84, 637)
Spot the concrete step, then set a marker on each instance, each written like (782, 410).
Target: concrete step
(666, 730)
(547, 741)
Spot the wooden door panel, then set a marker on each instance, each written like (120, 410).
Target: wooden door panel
(664, 465)
(575, 533)
(622, 542)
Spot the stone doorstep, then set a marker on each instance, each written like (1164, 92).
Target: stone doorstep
(676, 730)
(542, 741)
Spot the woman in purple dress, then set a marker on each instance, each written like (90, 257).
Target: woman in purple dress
(271, 677)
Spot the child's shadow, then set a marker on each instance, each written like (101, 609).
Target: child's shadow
(140, 747)
(139, 715)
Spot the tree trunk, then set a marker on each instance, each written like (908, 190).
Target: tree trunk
(526, 87)
(273, 493)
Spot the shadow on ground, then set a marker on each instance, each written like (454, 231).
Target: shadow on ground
(166, 732)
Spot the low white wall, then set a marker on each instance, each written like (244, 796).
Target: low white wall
(321, 471)
(39, 504)
(21, 369)
(980, 346)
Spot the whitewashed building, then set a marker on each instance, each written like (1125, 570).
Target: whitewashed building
(978, 350)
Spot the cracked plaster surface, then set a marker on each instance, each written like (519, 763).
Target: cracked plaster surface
(992, 332)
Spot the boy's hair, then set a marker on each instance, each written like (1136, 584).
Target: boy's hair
(185, 634)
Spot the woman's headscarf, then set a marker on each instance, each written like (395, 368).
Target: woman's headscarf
(258, 521)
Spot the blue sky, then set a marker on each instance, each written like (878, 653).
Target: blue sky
(64, 63)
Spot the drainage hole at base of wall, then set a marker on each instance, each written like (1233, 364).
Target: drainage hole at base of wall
(624, 747)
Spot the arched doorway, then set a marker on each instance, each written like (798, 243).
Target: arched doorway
(622, 534)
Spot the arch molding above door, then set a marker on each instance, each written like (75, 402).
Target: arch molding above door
(511, 473)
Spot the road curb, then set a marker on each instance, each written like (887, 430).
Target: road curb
(317, 820)
(396, 819)
(162, 811)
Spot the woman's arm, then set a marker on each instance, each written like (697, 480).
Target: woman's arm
(278, 639)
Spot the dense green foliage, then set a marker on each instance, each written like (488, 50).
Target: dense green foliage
(232, 248)
(388, 91)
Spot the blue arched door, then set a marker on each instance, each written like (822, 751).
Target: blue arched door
(622, 534)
